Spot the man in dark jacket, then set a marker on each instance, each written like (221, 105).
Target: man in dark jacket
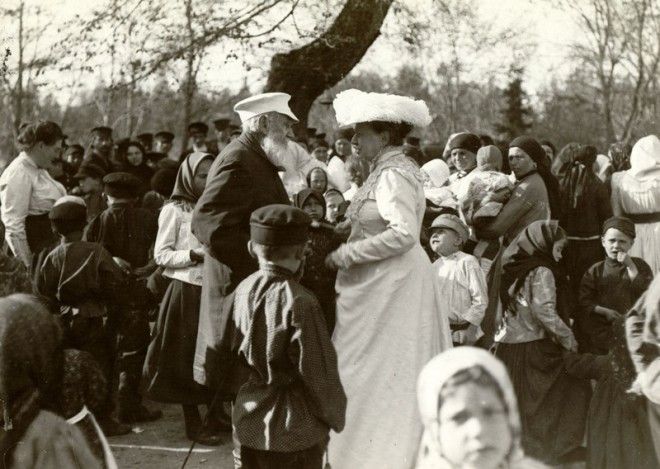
(243, 178)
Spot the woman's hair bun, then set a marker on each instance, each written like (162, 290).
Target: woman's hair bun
(47, 132)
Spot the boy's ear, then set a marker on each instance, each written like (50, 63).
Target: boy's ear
(251, 249)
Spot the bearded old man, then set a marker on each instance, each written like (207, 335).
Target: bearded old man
(243, 178)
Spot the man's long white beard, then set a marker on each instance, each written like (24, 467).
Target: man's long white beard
(277, 151)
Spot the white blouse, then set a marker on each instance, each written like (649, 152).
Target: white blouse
(174, 242)
(25, 190)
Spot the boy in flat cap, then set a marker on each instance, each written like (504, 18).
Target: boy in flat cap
(292, 395)
(146, 140)
(90, 185)
(80, 280)
(128, 232)
(610, 287)
(460, 278)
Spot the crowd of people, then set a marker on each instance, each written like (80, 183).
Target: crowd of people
(367, 303)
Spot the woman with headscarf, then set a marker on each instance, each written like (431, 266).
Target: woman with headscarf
(461, 388)
(31, 369)
(619, 155)
(636, 195)
(564, 159)
(530, 201)
(585, 206)
(388, 325)
(133, 156)
(168, 368)
(532, 340)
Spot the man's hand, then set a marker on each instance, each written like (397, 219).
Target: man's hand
(609, 313)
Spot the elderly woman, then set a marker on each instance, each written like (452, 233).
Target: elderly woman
(388, 324)
(636, 195)
(28, 191)
(459, 390)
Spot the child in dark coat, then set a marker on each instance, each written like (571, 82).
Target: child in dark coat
(291, 395)
(611, 287)
(322, 241)
(128, 232)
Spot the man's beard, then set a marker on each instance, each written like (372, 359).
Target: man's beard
(276, 150)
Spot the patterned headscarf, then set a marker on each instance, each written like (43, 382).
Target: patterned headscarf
(30, 355)
(183, 187)
(619, 153)
(435, 375)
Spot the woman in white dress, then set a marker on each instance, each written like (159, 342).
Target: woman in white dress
(636, 195)
(388, 322)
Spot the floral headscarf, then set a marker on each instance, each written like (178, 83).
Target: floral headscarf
(433, 378)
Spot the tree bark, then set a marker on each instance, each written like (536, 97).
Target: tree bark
(189, 84)
(18, 114)
(305, 73)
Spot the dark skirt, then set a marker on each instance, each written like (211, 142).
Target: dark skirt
(553, 405)
(168, 368)
(618, 433)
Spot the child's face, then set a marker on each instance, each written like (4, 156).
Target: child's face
(354, 175)
(201, 173)
(558, 248)
(615, 242)
(317, 181)
(333, 207)
(321, 154)
(134, 156)
(444, 241)
(89, 185)
(313, 208)
(474, 432)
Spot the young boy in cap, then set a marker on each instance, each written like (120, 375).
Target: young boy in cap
(128, 233)
(80, 280)
(460, 279)
(292, 396)
(90, 184)
(611, 287)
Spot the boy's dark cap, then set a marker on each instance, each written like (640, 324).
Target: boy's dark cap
(623, 224)
(102, 130)
(164, 135)
(195, 127)
(89, 169)
(121, 185)
(68, 208)
(279, 225)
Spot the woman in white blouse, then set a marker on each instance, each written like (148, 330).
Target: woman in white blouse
(28, 192)
(168, 368)
(388, 320)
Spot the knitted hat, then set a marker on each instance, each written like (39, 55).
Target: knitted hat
(623, 224)
(465, 141)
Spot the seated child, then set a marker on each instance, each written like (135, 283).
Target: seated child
(455, 390)
(460, 279)
(335, 206)
(292, 397)
(610, 287)
(489, 188)
(322, 241)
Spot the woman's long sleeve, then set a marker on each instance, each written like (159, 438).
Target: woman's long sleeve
(396, 202)
(544, 307)
(510, 214)
(15, 195)
(165, 252)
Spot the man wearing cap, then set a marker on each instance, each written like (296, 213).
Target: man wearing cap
(146, 140)
(101, 150)
(222, 131)
(163, 142)
(197, 133)
(242, 179)
(463, 148)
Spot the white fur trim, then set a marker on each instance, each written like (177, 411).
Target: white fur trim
(355, 106)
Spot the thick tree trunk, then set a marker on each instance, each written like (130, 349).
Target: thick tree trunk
(305, 73)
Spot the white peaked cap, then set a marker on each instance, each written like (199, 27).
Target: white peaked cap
(263, 103)
(355, 106)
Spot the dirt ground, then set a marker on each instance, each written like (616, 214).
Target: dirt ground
(163, 445)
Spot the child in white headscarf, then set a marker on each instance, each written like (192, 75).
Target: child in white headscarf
(456, 388)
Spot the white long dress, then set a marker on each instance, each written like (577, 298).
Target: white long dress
(633, 196)
(388, 322)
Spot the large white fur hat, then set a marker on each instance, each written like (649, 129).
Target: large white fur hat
(263, 103)
(355, 106)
